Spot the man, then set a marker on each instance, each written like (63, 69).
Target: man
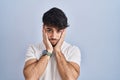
(53, 59)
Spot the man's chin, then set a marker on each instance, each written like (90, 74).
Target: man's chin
(53, 44)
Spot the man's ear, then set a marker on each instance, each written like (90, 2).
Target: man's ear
(64, 30)
(43, 26)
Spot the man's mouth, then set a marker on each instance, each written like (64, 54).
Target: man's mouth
(53, 40)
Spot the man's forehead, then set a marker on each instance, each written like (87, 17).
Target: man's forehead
(52, 27)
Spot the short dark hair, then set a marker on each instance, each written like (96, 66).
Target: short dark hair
(55, 17)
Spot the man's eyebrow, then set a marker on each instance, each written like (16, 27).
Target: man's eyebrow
(48, 28)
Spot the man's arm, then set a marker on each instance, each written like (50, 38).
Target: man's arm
(67, 70)
(34, 68)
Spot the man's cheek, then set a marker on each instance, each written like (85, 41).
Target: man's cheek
(60, 35)
(48, 35)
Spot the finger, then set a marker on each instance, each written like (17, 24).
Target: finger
(62, 37)
(44, 36)
(63, 34)
(44, 33)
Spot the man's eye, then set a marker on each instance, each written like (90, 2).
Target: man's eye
(59, 31)
(48, 30)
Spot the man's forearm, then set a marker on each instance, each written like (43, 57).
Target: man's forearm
(64, 67)
(34, 70)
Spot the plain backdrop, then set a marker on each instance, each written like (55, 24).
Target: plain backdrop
(94, 28)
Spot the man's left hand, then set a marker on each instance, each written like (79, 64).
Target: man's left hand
(57, 48)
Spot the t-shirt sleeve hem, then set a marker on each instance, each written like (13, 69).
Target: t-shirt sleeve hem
(30, 58)
(74, 62)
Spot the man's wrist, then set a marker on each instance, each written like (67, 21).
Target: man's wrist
(57, 51)
(50, 51)
(45, 52)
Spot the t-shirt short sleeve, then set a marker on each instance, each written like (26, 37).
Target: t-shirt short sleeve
(30, 54)
(74, 55)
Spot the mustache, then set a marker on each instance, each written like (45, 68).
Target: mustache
(52, 39)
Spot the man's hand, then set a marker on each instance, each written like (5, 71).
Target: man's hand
(46, 41)
(57, 48)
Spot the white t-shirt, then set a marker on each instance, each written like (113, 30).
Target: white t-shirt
(71, 53)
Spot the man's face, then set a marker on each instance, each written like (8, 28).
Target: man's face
(53, 34)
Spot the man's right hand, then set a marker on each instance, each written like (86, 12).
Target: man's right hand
(46, 41)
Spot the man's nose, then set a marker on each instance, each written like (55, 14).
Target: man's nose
(54, 34)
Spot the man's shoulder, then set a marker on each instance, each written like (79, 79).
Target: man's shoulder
(37, 46)
(69, 46)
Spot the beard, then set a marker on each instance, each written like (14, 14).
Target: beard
(53, 42)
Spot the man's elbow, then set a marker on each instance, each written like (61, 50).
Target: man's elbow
(71, 78)
(75, 76)
(28, 75)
